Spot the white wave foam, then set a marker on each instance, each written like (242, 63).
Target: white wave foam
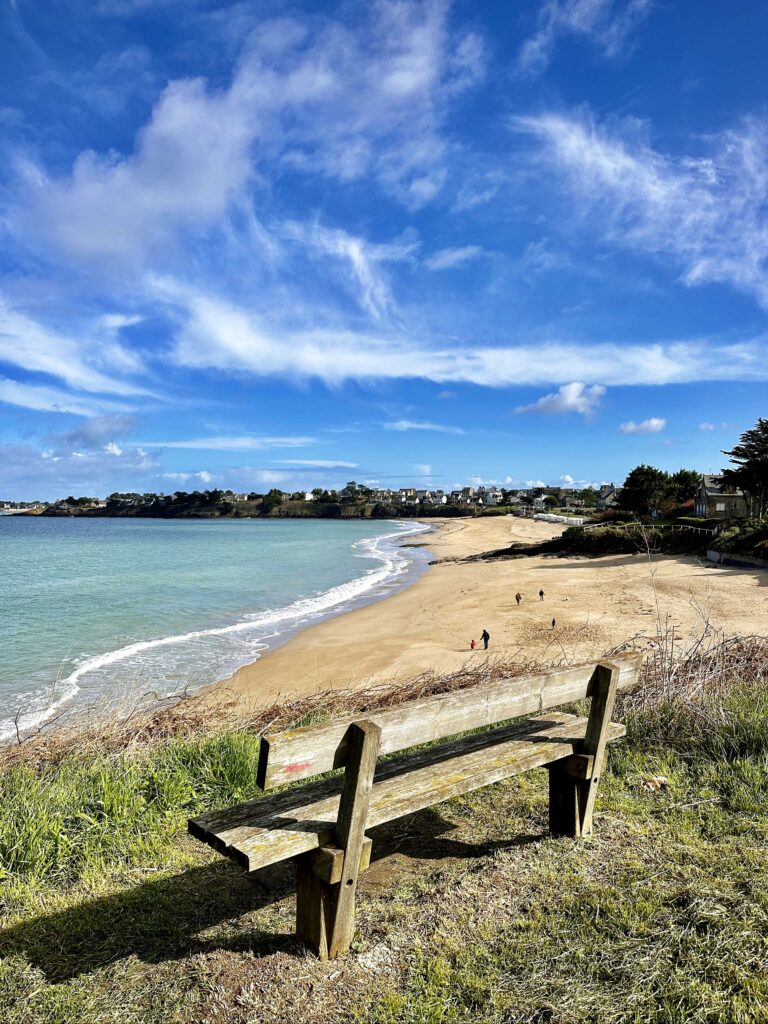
(393, 565)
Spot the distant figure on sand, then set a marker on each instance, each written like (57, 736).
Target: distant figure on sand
(518, 597)
(485, 636)
(554, 623)
(541, 595)
(472, 645)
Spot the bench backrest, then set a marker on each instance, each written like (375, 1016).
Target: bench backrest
(301, 753)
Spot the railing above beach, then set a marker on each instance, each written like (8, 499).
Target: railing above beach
(711, 530)
(551, 517)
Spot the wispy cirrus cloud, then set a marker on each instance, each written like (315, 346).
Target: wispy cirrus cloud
(653, 425)
(447, 259)
(438, 428)
(215, 333)
(607, 24)
(96, 363)
(574, 397)
(41, 398)
(233, 444)
(362, 258)
(706, 212)
(318, 463)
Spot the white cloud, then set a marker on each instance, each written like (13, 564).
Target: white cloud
(608, 24)
(214, 333)
(116, 321)
(650, 426)
(202, 475)
(48, 399)
(707, 213)
(440, 428)
(573, 397)
(446, 259)
(190, 160)
(707, 426)
(423, 469)
(318, 463)
(233, 444)
(540, 257)
(362, 258)
(478, 190)
(571, 483)
(47, 474)
(367, 103)
(535, 483)
(80, 362)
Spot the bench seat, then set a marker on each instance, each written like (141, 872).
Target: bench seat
(295, 821)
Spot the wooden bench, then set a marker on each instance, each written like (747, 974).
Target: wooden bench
(321, 824)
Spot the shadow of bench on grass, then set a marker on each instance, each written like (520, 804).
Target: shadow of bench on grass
(166, 918)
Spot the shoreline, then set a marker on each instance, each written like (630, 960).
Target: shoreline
(387, 571)
(598, 603)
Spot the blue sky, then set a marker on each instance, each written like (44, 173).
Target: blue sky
(251, 245)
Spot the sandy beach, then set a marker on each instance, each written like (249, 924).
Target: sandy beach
(597, 603)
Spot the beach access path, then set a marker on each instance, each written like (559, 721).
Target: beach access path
(597, 603)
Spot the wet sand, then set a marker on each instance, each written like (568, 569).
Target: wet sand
(597, 603)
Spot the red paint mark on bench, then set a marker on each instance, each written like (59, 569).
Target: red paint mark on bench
(297, 767)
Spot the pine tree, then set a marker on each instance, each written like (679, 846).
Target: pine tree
(750, 459)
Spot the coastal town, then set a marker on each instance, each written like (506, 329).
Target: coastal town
(706, 496)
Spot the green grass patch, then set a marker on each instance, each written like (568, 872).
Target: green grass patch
(109, 914)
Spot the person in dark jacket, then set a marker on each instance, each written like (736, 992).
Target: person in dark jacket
(485, 636)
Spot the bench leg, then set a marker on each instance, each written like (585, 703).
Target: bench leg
(363, 740)
(318, 874)
(325, 910)
(564, 802)
(315, 906)
(572, 798)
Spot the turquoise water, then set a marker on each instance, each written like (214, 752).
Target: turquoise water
(104, 611)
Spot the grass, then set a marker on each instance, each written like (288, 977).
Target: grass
(471, 912)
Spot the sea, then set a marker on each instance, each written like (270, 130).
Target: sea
(101, 616)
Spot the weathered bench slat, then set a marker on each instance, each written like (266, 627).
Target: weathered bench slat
(301, 753)
(262, 832)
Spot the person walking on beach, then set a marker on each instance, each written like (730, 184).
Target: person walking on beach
(485, 636)
(554, 623)
(518, 598)
(541, 595)
(472, 645)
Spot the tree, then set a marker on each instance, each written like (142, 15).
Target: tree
(589, 496)
(271, 500)
(551, 501)
(750, 459)
(683, 485)
(644, 490)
